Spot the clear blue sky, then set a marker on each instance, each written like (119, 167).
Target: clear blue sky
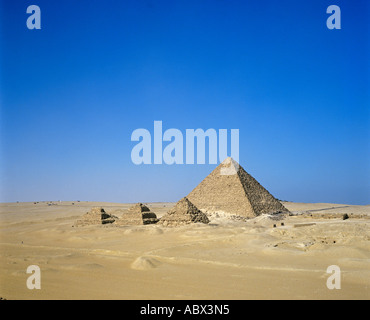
(73, 92)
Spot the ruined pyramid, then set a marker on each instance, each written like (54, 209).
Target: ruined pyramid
(229, 189)
(138, 214)
(96, 216)
(184, 212)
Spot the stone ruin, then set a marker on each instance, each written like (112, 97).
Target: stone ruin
(138, 214)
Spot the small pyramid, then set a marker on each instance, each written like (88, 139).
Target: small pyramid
(139, 208)
(96, 216)
(138, 214)
(230, 189)
(184, 212)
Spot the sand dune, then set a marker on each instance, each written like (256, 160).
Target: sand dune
(225, 259)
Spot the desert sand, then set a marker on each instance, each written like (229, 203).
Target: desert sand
(225, 259)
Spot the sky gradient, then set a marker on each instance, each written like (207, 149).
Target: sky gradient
(73, 92)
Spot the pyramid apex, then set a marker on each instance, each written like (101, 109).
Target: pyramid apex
(229, 166)
(186, 201)
(229, 160)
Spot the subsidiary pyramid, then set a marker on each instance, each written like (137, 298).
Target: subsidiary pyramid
(96, 216)
(138, 214)
(184, 212)
(231, 190)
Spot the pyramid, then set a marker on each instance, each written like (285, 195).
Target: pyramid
(231, 190)
(96, 216)
(138, 214)
(184, 212)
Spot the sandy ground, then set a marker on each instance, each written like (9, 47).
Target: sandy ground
(223, 260)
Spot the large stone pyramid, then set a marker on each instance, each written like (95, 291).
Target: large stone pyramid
(231, 190)
(184, 212)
